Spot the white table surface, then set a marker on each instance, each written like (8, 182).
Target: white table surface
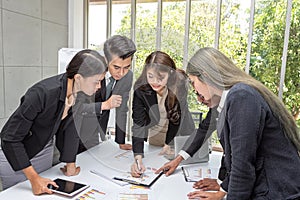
(173, 187)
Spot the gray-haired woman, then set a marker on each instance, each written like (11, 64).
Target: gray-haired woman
(259, 136)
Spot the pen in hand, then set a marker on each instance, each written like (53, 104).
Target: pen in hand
(139, 168)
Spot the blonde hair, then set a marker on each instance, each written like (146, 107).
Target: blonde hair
(214, 68)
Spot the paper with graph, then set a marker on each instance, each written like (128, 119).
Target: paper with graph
(114, 164)
(129, 196)
(147, 178)
(196, 173)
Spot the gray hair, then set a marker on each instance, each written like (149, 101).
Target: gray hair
(120, 46)
(214, 68)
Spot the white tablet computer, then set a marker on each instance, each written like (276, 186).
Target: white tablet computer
(67, 188)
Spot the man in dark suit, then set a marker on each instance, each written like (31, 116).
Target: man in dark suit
(114, 92)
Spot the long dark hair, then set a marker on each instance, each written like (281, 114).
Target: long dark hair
(162, 62)
(86, 63)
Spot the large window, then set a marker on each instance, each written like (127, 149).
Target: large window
(202, 24)
(97, 24)
(252, 33)
(235, 17)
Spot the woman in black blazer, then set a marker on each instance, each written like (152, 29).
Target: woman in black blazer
(160, 110)
(47, 109)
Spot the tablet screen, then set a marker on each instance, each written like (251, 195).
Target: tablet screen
(66, 187)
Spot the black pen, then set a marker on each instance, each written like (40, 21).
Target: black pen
(139, 168)
(128, 181)
(184, 174)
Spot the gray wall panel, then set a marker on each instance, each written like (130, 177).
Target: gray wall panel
(2, 122)
(27, 7)
(49, 71)
(54, 37)
(17, 81)
(21, 40)
(1, 71)
(1, 43)
(29, 46)
(1, 93)
(55, 11)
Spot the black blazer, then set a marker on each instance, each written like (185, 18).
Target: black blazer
(34, 122)
(38, 119)
(122, 87)
(146, 114)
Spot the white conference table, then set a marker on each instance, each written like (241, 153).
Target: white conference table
(173, 187)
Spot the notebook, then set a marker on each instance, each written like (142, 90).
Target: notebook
(202, 155)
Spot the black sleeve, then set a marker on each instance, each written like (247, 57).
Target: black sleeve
(67, 140)
(86, 105)
(140, 122)
(18, 127)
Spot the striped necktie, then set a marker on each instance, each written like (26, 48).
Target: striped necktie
(109, 87)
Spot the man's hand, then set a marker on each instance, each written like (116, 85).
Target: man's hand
(125, 146)
(207, 184)
(113, 102)
(70, 169)
(171, 166)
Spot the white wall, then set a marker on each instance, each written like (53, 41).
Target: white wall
(31, 33)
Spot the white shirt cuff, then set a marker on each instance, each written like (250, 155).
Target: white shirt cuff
(221, 189)
(184, 154)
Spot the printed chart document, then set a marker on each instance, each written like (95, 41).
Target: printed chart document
(115, 163)
(111, 161)
(92, 194)
(134, 194)
(147, 179)
(126, 196)
(196, 173)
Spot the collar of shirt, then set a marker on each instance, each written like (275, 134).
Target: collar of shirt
(222, 101)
